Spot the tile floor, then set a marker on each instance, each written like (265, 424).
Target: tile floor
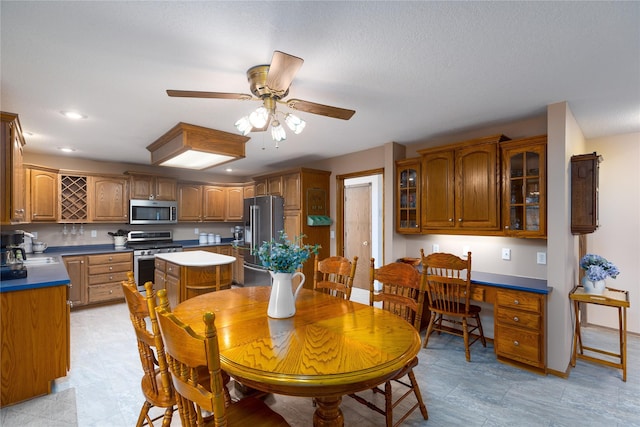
(103, 386)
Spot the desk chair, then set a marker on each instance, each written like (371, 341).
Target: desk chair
(448, 290)
(156, 382)
(334, 275)
(202, 400)
(402, 294)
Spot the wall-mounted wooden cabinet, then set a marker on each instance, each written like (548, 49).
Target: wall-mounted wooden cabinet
(43, 195)
(14, 194)
(584, 193)
(108, 199)
(460, 187)
(152, 187)
(209, 203)
(524, 208)
(408, 195)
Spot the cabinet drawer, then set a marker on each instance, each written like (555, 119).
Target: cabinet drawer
(173, 269)
(95, 279)
(518, 344)
(519, 300)
(106, 292)
(159, 264)
(110, 268)
(509, 317)
(109, 258)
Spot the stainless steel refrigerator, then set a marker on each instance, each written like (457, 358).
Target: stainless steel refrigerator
(263, 221)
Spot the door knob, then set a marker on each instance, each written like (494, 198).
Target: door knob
(365, 243)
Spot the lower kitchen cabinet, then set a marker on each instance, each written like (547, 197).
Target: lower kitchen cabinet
(519, 325)
(97, 278)
(35, 340)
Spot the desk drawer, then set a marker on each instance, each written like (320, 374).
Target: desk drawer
(519, 344)
(508, 317)
(519, 300)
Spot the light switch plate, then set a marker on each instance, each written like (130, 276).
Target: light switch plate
(435, 248)
(541, 257)
(94, 233)
(506, 254)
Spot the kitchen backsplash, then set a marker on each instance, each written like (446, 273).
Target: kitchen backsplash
(81, 234)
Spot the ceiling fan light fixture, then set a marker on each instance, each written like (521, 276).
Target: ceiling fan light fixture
(295, 123)
(259, 117)
(277, 131)
(196, 147)
(244, 125)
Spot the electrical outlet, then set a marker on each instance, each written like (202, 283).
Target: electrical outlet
(196, 231)
(94, 233)
(506, 254)
(435, 248)
(541, 257)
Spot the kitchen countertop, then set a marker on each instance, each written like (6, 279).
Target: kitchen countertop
(39, 275)
(196, 258)
(518, 283)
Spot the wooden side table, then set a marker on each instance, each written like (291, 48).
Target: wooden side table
(611, 298)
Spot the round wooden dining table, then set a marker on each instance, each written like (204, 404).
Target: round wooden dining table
(329, 348)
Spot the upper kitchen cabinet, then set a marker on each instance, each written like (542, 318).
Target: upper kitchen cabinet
(43, 194)
(524, 187)
(74, 206)
(460, 187)
(152, 187)
(408, 193)
(584, 193)
(108, 199)
(198, 203)
(14, 194)
(249, 190)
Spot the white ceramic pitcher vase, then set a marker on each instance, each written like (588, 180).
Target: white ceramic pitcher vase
(282, 302)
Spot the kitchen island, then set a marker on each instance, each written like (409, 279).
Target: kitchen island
(34, 331)
(192, 273)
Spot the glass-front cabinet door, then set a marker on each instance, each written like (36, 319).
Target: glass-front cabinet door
(408, 196)
(524, 187)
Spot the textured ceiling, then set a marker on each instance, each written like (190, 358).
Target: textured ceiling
(411, 70)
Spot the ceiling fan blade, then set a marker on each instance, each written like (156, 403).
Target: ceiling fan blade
(323, 110)
(282, 70)
(199, 94)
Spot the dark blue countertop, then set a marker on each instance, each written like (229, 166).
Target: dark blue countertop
(39, 276)
(518, 283)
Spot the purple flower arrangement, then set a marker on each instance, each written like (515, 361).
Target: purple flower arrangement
(598, 268)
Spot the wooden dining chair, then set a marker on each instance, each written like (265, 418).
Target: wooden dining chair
(334, 275)
(402, 293)
(156, 381)
(449, 291)
(202, 401)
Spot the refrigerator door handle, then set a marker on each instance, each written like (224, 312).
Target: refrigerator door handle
(255, 214)
(255, 268)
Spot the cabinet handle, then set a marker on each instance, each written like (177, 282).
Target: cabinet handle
(516, 302)
(110, 277)
(450, 219)
(516, 343)
(506, 227)
(110, 258)
(515, 319)
(81, 262)
(110, 291)
(459, 219)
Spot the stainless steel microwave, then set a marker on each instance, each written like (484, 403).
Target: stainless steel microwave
(153, 212)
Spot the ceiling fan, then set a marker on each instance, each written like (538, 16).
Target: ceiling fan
(270, 84)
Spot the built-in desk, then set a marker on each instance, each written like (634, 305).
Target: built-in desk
(519, 317)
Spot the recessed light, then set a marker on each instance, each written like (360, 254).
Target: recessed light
(229, 170)
(67, 149)
(73, 115)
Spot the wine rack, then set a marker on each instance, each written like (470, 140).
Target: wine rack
(73, 199)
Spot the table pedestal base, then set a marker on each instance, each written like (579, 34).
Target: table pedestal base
(328, 412)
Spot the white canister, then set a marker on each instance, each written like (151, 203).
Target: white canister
(211, 238)
(203, 239)
(218, 238)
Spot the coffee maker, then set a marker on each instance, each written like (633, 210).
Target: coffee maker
(13, 255)
(238, 233)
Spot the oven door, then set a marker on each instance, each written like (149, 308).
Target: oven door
(144, 270)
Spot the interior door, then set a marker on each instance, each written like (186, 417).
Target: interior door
(357, 230)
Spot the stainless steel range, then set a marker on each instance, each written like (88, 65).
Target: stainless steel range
(145, 245)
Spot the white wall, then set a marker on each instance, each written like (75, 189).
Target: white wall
(618, 237)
